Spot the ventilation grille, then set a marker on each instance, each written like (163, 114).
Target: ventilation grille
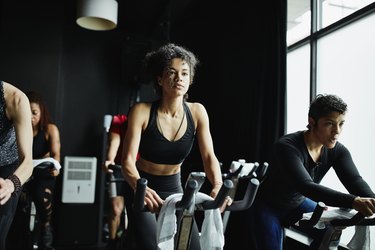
(79, 170)
(79, 179)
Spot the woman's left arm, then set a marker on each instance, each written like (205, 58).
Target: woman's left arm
(55, 145)
(210, 161)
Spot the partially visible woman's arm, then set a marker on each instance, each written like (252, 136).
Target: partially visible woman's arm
(136, 123)
(55, 144)
(18, 111)
(206, 148)
(131, 144)
(113, 146)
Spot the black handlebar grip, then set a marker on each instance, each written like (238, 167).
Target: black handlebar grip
(318, 211)
(262, 170)
(45, 165)
(238, 171)
(188, 195)
(315, 217)
(223, 193)
(356, 219)
(254, 169)
(140, 193)
(114, 166)
(247, 201)
(367, 222)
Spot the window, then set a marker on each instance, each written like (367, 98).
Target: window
(299, 18)
(298, 88)
(334, 10)
(337, 56)
(346, 69)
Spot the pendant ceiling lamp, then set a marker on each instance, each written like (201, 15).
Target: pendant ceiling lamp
(97, 14)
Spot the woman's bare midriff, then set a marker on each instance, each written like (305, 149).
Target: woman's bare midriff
(157, 169)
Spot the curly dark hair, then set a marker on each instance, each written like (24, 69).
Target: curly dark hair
(156, 61)
(324, 104)
(45, 118)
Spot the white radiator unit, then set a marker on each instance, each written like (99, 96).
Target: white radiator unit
(79, 179)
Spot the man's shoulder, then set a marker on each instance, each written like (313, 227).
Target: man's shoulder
(291, 138)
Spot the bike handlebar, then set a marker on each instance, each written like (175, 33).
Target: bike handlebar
(140, 194)
(223, 193)
(187, 197)
(318, 211)
(261, 172)
(45, 165)
(251, 190)
(357, 219)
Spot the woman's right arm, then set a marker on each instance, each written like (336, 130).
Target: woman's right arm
(18, 110)
(137, 122)
(132, 139)
(113, 146)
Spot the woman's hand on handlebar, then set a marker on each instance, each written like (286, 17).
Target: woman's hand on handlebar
(366, 206)
(153, 200)
(227, 202)
(54, 172)
(105, 166)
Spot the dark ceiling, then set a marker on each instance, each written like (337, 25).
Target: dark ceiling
(149, 17)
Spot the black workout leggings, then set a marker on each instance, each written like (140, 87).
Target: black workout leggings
(142, 225)
(7, 210)
(41, 187)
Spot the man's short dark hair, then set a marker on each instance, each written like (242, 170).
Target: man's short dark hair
(325, 104)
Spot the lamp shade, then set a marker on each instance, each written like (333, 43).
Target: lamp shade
(97, 14)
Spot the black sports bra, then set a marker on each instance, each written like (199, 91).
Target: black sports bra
(40, 145)
(156, 148)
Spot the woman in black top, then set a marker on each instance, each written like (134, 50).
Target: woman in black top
(299, 162)
(163, 133)
(46, 143)
(15, 152)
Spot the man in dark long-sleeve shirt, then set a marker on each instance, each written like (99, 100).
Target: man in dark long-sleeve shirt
(299, 162)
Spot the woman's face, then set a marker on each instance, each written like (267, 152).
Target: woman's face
(176, 77)
(328, 128)
(35, 113)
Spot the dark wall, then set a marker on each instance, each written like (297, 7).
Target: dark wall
(241, 82)
(241, 79)
(84, 74)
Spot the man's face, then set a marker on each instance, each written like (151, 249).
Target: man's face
(328, 128)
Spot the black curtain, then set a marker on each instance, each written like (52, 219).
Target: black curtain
(241, 81)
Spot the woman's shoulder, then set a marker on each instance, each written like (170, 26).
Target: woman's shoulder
(196, 107)
(52, 129)
(142, 106)
(13, 95)
(140, 110)
(16, 101)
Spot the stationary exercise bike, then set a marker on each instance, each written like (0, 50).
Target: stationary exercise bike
(113, 192)
(188, 207)
(241, 171)
(332, 223)
(25, 222)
